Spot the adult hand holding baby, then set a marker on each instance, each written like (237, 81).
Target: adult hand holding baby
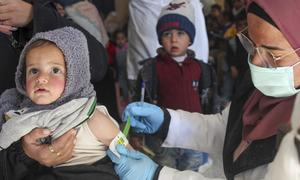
(56, 153)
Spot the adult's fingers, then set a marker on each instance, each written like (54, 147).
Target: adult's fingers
(135, 109)
(124, 154)
(17, 13)
(113, 157)
(140, 111)
(34, 149)
(3, 2)
(137, 125)
(36, 134)
(128, 152)
(5, 16)
(65, 142)
(59, 151)
(5, 8)
(134, 118)
(63, 155)
(6, 29)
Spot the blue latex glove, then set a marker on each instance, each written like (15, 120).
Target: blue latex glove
(132, 165)
(144, 117)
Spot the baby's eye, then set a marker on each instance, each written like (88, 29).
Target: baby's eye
(56, 70)
(33, 71)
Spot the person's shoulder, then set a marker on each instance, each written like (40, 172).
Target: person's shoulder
(199, 61)
(148, 61)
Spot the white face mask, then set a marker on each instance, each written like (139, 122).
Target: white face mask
(274, 82)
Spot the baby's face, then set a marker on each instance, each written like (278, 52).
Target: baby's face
(45, 74)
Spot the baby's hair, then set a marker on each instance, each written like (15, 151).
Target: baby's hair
(38, 43)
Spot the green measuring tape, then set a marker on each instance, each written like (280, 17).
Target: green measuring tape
(120, 138)
(127, 127)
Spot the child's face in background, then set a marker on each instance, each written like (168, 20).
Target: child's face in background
(121, 39)
(60, 9)
(175, 42)
(45, 74)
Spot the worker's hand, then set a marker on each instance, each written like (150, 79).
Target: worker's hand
(132, 164)
(7, 29)
(56, 153)
(15, 13)
(144, 117)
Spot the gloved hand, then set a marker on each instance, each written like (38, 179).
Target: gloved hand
(132, 165)
(144, 117)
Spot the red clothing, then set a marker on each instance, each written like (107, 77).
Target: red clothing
(111, 51)
(178, 83)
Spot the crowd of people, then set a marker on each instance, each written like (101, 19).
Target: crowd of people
(209, 95)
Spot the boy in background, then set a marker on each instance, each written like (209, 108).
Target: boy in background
(175, 79)
(121, 54)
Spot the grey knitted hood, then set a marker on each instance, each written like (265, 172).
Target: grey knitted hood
(73, 45)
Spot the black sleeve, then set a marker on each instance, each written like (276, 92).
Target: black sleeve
(137, 88)
(206, 75)
(229, 55)
(46, 18)
(164, 128)
(156, 174)
(8, 64)
(14, 163)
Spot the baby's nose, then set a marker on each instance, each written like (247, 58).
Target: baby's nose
(41, 80)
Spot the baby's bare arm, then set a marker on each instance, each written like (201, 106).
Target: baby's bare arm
(103, 127)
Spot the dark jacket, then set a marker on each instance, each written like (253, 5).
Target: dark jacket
(207, 85)
(8, 63)
(15, 165)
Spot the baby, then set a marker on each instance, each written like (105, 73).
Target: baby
(53, 90)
